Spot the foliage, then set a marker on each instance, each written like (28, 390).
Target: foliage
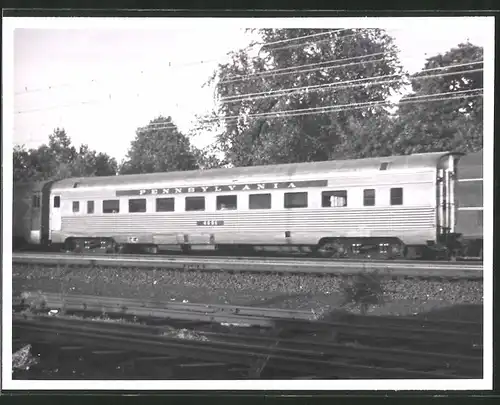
(60, 159)
(209, 158)
(310, 136)
(160, 147)
(443, 125)
(365, 289)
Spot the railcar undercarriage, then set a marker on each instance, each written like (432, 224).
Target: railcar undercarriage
(335, 248)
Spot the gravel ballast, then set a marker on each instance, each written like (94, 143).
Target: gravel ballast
(305, 292)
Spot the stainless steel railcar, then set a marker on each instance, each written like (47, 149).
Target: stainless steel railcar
(380, 207)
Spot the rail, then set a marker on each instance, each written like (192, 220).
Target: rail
(352, 346)
(386, 268)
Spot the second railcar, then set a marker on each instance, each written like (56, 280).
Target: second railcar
(469, 201)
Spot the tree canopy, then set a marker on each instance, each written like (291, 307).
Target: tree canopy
(273, 105)
(331, 97)
(60, 159)
(456, 121)
(159, 147)
(294, 99)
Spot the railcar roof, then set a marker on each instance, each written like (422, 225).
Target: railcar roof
(415, 161)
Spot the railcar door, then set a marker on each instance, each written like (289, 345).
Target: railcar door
(36, 218)
(446, 175)
(55, 213)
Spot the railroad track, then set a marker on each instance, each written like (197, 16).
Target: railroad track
(291, 346)
(250, 264)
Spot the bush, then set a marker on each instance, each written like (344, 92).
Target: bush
(364, 289)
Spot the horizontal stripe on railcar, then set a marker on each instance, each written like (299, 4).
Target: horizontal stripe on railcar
(271, 214)
(265, 216)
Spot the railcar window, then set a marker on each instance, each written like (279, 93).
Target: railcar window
(369, 197)
(165, 204)
(259, 201)
(337, 198)
(226, 202)
(397, 196)
(57, 201)
(195, 203)
(137, 205)
(36, 201)
(295, 200)
(90, 207)
(76, 206)
(110, 206)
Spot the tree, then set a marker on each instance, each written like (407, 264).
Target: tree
(23, 167)
(323, 62)
(159, 147)
(448, 124)
(90, 163)
(60, 159)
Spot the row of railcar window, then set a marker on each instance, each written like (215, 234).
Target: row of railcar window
(336, 198)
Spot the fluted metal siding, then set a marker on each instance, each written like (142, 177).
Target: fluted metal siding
(268, 226)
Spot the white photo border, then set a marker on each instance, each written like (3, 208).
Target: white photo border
(8, 27)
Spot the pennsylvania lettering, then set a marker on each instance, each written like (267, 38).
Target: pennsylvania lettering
(224, 188)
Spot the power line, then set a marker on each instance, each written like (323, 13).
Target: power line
(243, 77)
(285, 112)
(52, 87)
(48, 88)
(311, 42)
(288, 92)
(60, 106)
(281, 41)
(331, 108)
(297, 69)
(255, 45)
(250, 96)
(347, 86)
(456, 95)
(263, 44)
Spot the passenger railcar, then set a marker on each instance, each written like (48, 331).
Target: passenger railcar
(469, 200)
(380, 207)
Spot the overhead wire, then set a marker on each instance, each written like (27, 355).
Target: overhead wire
(255, 44)
(52, 87)
(287, 91)
(320, 41)
(297, 69)
(454, 95)
(301, 69)
(370, 81)
(290, 70)
(332, 108)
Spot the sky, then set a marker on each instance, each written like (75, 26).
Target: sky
(101, 80)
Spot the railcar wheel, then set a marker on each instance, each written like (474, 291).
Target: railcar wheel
(394, 251)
